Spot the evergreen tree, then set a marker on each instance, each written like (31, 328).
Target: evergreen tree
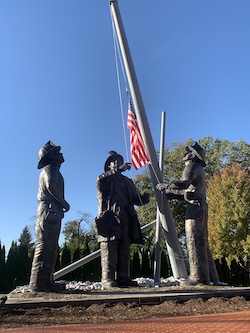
(147, 271)
(58, 261)
(95, 265)
(135, 262)
(23, 265)
(165, 265)
(2, 267)
(77, 273)
(223, 270)
(86, 272)
(24, 257)
(66, 260)
(11, 268)
(26, 239)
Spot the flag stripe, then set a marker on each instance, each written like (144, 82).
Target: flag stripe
(138, 153)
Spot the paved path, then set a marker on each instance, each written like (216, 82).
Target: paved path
(237, 322)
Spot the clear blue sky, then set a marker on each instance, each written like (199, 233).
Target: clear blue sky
(58, 82)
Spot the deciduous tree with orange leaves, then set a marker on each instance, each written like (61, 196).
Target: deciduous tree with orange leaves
(229, 214)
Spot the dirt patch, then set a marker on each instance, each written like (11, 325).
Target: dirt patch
(97, 313)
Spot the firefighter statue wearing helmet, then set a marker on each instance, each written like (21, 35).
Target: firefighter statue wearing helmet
(50, 212)
(201, 263)
(117, 224)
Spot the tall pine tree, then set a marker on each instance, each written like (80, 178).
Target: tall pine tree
(11, 268)
(66, 260)
(2, 267)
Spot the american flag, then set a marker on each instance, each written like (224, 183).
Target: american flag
(138, 153)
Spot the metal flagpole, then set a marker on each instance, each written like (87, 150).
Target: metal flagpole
(172, 241)
(157, 259)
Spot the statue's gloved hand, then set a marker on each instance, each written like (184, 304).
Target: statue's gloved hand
(162, 186)
(172, 186)
(174, 196)
(125, 166)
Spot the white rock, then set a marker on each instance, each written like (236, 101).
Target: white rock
(87, 285)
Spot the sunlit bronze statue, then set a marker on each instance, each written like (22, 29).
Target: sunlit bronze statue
(117, 222)
(202, 266)
(51, 208)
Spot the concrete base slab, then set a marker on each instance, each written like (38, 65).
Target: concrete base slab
(140, 296)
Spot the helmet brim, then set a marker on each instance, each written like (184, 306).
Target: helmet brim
(197, 154)
(42, 161)
(112, 158)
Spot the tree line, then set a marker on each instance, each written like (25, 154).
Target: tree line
(228, 195)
